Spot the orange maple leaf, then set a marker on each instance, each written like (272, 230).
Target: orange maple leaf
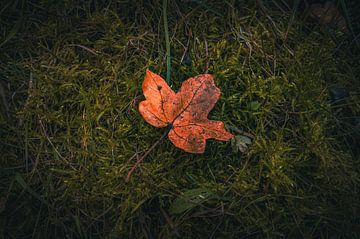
(185, 112)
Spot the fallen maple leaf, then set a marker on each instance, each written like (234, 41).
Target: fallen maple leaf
(184, 112)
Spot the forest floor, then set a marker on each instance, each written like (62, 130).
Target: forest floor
(70, 129)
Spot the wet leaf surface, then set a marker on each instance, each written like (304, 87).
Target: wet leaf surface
(184, 112)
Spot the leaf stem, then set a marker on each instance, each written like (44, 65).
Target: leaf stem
(167, 42)
(145, 154)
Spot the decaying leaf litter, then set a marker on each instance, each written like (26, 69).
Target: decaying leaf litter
(63, 169)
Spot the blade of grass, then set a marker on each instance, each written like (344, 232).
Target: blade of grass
(16, 28)
(348, 19)
(26, 187)
(167, 42)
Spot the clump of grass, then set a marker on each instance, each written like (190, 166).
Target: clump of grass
(72, 83)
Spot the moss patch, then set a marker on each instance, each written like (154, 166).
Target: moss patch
(71, 77)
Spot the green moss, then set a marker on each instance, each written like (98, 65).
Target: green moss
(69, 124)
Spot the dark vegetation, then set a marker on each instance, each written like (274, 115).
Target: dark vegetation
(70, 83)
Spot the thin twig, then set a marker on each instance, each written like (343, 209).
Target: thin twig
(169, 221)
(239, 131)
(135, 155)
(85, 48)
(186, 49)
(144, 156)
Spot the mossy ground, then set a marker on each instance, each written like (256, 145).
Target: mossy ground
(71, 75)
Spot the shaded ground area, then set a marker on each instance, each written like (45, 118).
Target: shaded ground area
(70, 84)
